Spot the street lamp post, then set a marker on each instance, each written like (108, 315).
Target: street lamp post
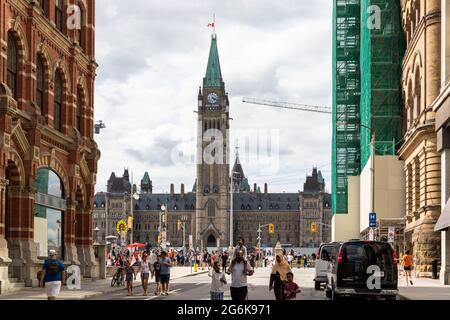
(259, 231)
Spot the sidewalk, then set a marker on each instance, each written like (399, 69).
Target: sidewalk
(91, 288)
(423, 289)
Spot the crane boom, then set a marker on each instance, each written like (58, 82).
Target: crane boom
(288, 105)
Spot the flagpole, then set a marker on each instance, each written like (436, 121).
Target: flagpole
(214, 24)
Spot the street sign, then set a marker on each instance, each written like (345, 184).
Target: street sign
(391, 234)
(372, 220)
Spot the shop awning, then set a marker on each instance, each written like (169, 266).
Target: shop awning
(444, 220)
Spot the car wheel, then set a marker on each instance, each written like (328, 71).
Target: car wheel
(327, 293)
(317, 285)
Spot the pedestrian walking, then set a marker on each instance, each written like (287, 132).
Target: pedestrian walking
(408, 265)
(218, 282)
(130, 274)
(144, 270)
(224, 261)
(52, 275)
(239, 270)
(166, 264)
(290, 257)
(157, 274)
(291, 288)
(278, 276)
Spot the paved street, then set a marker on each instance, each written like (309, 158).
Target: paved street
(197, 288)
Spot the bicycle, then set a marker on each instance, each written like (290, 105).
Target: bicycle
(118, 278)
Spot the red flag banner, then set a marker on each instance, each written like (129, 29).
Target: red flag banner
(212, 24)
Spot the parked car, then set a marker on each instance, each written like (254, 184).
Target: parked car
(322, 259)
(356, 266)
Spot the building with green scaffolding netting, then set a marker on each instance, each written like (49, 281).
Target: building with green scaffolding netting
(382, 49)
(367, 52)
(346, 99)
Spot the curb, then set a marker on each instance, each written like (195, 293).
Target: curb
(134, 286)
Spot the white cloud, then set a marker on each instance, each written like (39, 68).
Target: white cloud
(153, 55)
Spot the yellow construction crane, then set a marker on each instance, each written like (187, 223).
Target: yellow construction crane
(288, 105)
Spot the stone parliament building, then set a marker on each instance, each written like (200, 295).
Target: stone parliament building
(206, 209)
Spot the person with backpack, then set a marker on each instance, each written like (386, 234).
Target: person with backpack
(52, 275)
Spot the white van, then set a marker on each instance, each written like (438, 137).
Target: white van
(322, 259)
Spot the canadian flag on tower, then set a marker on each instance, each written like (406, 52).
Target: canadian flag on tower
(211, 24)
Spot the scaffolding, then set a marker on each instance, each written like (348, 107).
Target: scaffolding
(346, 99)
(382, 49)
(368, 48)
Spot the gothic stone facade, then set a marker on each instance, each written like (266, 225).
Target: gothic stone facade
(421, 85)
(47, 74)
(292, 214)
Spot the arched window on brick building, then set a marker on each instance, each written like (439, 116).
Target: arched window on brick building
(58, 101)
(12, 69)
(79, 114)
(40, 82)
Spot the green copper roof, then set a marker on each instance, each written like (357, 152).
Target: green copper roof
(213, 77)
(146, 178)
(244, 186)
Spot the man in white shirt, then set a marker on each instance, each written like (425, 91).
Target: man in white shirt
(239, 271)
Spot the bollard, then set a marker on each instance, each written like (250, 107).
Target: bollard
(434, 269)
(195, 267)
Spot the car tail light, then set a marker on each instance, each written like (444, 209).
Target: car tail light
(318, 254)
(341, 257)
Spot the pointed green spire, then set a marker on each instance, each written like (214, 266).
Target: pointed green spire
(146, 178)
(213, 77)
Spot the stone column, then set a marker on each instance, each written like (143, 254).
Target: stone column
(71, 254)
(22, 248)
(5, 261)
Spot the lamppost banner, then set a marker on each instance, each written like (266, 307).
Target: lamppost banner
(391, 234)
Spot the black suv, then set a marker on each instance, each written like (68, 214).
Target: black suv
(362, 268)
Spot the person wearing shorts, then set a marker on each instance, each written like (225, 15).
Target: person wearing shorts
(408, 264)
(52, 275)
(145, 269)
(165, 273)
(157, 274)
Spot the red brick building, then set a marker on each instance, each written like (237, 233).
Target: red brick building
(48, 156)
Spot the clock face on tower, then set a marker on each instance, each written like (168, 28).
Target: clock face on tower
(213, 98)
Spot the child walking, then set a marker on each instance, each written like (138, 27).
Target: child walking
(218, 282)
(130, 275)
(291, 288)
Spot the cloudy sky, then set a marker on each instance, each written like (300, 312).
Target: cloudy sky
(152, 57)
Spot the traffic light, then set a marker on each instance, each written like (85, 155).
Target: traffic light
(178, 225)
(159, 239)
(271, 228)
(313, 227)
(164, 218)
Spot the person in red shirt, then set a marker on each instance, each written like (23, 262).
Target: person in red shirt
(291, 288)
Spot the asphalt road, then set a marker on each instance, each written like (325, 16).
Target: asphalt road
(197, 288)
